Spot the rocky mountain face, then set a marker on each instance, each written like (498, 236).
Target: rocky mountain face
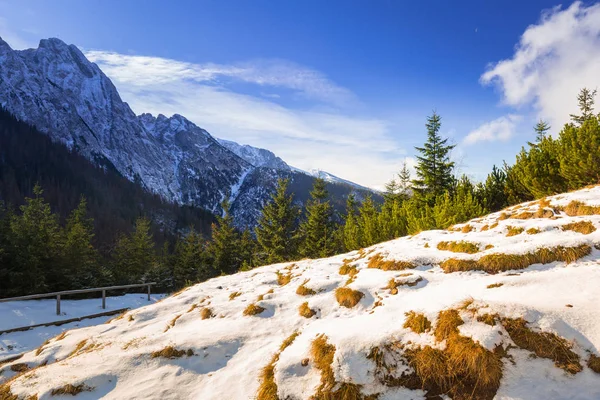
(60, 92)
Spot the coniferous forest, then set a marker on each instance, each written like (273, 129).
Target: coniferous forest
(66, 223)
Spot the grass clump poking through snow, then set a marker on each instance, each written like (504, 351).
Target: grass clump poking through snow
(543, 344)
(267, 390)
(593, 363)
(514, 231)
(206, 313)
(253, 309)
(417, 322)
(305, 291)
(532, 231)
(394, 284)
(466, 229)
(347, 269)
(171, 352)
(305, 311)
(576, 208)
(72, 390)
(377, 261)
(495, 285)
(447, 324)
(234, 295)
(347, 297)
(498, 262)
(585, 227)
(459, 247)
(283, 279)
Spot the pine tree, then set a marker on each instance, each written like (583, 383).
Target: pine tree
(541, 129)
(134, 254)
(81, 257)
(162, 271)
(224, 248)
(585, 98)
(189, 260)
(369, 223)
(276, 230)
(434, 168)
(37, 245)
(351, 230)
(493, 195)
(579, 154)
(404, 182)
(318, 230)
(247, 250)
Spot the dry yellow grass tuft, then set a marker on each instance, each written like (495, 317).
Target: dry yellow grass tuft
(347, 297)
(485, 228)
(495, 285)
(305, 291)
(206, 313)
(514, 230)
(283, 279)
(172, 323)
(584, 227)
(347, 269)
(502, 217)
(322, 354)
(305, 311)
(377, 261)
(267, 390)
(495, 224)
(171, 352)
(466, 229)
(576, 208)
(489, 319)
(459, 247)
(19, 367)
(394, 284)
(488, 246)
(72, 390)
(593, 363)
(417, 322)
(543, 344)
(532, 231)
(253, 309)
(447, 324)
(426, 245)
(234, 295)
(523, 215)
(498, 262)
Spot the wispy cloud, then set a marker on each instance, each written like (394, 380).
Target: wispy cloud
(553, 60)
(500, 129)
(337, 140)
(143, 70)
(15, 38)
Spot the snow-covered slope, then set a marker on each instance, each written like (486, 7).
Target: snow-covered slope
(60, 92)
(326, 176)
(212, 350)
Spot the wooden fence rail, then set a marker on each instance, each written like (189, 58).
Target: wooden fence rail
(66, 292)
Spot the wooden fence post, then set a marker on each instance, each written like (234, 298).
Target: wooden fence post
(58, 304)
(149, 286)
(104, 299)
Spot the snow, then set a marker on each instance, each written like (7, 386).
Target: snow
(16, 314)
(231, 349)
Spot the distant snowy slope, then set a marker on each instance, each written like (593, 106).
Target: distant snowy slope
(371, 322)
(256, 156)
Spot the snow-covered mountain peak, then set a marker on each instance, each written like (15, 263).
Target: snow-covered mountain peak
(510, 316)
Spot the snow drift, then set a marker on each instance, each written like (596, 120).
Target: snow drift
(363, 325)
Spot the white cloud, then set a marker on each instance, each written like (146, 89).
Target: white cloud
(143, 70)
(553, 60)
(341, 142)
(500, 129)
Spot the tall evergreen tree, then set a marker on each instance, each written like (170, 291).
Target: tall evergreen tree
(579, 154)
(224, 249)
(134, 254)
(81, 257)
(404, 182)
(434, 168)
(368, 223)
(493, 196)
(351, 230)
(277, 226)
(318, 230)
(585, 99)
(247, 250)
(541, 130)
(189, 260)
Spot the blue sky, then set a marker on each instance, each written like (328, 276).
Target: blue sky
(343, 86)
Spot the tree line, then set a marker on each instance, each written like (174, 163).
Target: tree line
(40, 251)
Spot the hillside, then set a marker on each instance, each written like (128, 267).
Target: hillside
(514, 315)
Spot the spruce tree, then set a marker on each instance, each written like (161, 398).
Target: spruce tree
(37, 245)
(541, 129)
(318, 230)
(493, 195)
(369, 223)
(277, 228)
(134, 254)
(404, 182)
(247, 250)
(585, 99)
(189, 260)
(351, 230)
(434, 168)
(81, 257)
(224, 248)
(579, 154)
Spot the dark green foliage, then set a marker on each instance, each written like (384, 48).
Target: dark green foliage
(276, 230)
(434, 168)
(351, 233)
(134, 254)
(318, 231)
(190, 264)
(224, 249)
(579, 155)
(248, 247)
(492, 194)
(541, 129)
